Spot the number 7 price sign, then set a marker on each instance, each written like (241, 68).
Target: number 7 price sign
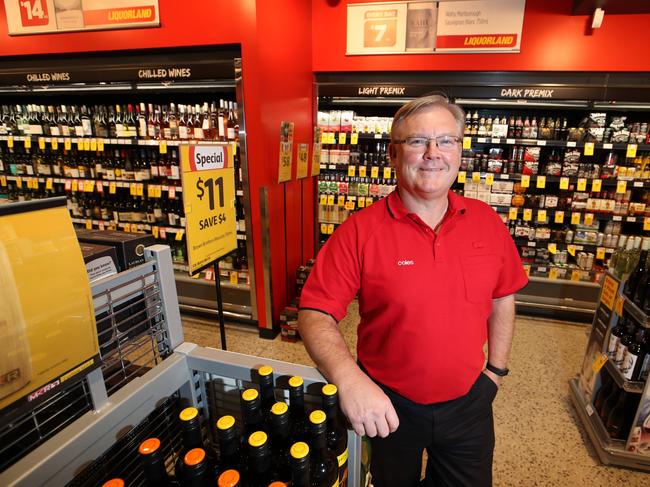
(208, 179)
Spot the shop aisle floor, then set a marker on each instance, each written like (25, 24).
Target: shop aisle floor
(539, 438)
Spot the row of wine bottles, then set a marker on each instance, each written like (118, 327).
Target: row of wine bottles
(135, 164)
(205, 121)
(277, 444)
(615, 406)
(629, 349)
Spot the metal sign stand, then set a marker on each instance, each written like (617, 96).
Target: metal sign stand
(222, 326)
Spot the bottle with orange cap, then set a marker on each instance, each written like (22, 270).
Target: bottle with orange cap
(197, 471)
(281, 439)
(324, 465)
(337, 435)
(252, 412)
(114, 483)
(297, 408)
(267, 389)
(192, 438)
(260, 467)
(300, 465)
(229, 478)
(277, 483)
(153, 464)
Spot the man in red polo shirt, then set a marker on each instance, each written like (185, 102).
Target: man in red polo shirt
(436, 275)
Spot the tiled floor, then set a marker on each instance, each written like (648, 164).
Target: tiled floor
(540, 441)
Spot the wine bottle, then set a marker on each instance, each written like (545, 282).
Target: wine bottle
(300, 465)
(229, 478)
(192, 439)
(297, 409)
(324, 465)
(337, 435)
(153, 464)
(252, 412)
(197, 470)
(280, 427)
(229, 444)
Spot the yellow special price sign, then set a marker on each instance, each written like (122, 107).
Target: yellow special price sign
(589, 149)
(608, 293)
(209, 198)
(462, 176)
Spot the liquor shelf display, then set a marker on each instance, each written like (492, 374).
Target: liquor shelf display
(612, 392)
(568, 176)
(110, 144)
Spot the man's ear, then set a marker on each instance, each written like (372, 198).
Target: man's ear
(392, 152)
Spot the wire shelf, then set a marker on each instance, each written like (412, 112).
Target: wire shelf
(121, 460)
(33, 428)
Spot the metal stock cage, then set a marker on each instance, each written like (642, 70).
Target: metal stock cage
(148, 374)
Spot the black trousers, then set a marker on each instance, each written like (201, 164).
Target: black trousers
(458, 436)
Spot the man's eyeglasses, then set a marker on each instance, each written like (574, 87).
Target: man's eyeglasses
(445, 143)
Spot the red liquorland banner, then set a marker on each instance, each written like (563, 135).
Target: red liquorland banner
(48, 16)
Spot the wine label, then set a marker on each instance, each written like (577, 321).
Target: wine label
(620, 354)
(629, 361)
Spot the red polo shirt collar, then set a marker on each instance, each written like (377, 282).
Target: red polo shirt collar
(398, 211)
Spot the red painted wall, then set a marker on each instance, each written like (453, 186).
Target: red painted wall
(552, 40)
(275, 38)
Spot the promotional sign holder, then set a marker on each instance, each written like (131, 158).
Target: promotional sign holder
(210, 220)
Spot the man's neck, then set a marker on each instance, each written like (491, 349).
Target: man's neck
(431, 211)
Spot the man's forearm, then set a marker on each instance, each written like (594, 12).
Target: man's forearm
(326, 346)
(501, 327)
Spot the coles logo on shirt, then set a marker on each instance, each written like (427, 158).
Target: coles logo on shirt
(405, 262)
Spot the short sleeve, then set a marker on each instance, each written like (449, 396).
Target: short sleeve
(512, 277)
(336, 276)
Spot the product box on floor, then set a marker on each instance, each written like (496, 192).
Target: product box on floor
(47, 322)
(289, 325)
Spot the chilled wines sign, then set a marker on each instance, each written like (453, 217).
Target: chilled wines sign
(430, 27)
(49, 16)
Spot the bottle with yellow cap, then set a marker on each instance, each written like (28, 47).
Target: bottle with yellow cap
(191, 439)
(281, 439)
(229, 478)
(297, 409)
(197, 472)
(267, 389)
(300, 465)
(230, 455)
(114, 483)
(260, 467)
(252, 412)
(153, 464)
(324, 465)
(337, 435)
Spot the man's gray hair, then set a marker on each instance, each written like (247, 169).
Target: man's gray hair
(426, 103)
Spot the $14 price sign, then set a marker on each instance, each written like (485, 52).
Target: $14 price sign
(209, 199)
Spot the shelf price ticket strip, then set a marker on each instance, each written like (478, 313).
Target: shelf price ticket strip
(208, 181)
